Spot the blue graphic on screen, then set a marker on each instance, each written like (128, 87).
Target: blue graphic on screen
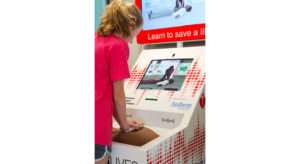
(172, 13)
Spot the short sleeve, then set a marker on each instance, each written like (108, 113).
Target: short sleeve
(118, 66)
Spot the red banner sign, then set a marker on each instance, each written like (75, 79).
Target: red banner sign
(173, 34)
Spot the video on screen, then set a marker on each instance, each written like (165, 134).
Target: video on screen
(167, 74)
(172, 13)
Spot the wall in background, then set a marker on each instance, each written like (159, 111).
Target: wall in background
(135, 50)
(99, 6)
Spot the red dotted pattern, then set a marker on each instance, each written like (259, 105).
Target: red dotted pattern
(192, 77)
(182, 150)
(198, 83)
(141, 97)
(158, 93)
(170, 95)
(136, 75)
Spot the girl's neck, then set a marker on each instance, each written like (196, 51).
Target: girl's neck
(118, 35)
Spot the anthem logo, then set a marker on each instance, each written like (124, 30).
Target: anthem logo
(181, 105)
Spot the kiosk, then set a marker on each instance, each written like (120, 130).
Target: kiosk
(166, 91)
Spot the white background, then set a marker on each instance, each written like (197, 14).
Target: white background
(47, 82)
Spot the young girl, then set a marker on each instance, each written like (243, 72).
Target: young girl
(119, 25)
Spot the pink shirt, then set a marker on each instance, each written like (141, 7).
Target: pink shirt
(111, 56)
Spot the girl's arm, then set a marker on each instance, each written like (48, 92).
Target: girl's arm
(115, 113)
(120, 104)
(120, 108)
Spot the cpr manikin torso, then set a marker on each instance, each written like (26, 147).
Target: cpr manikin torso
(136, 138)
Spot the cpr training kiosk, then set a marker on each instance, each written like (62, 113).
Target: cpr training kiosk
(172, 108)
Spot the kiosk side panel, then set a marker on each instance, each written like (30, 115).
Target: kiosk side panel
(186, 146)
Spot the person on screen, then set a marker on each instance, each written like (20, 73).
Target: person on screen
(179, 5)
(180, 9)
(168, 73)
(166, 76)
(120, 23)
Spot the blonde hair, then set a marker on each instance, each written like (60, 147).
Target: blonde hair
(120, 18)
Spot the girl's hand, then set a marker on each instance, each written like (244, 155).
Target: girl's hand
(133, 124)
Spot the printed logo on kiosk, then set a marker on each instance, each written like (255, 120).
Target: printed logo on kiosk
(202, 101)
(180, 105)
